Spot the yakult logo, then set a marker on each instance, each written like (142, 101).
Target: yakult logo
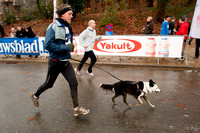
(198, 21)
(198, 18)
(117, 45)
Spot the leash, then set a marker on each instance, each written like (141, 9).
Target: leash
(137, 83)
(100, 69)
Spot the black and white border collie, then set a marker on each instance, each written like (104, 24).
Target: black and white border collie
(138, 89)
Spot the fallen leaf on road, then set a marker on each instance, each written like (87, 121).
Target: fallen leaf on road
(173, 98)
(180, 105)
(31, 118)
(189, 85)
(20, 89)
(161, 100)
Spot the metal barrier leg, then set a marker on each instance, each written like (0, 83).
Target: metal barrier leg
(186, 54)
(158, 61)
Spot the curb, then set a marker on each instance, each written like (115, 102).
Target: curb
(14, 61)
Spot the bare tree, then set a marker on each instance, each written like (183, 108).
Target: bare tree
(161, 9)
(149, 3)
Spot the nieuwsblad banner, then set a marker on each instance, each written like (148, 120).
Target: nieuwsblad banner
(19, 46)
(143, 46)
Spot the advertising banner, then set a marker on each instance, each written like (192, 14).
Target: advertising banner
(143, 46)
(195, 28)
(19, 46)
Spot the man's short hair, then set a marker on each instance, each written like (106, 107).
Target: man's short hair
(182, 19)
(167, 16)
(150, 17)
(63, 9)
(172, 18)
(89, 22)
(186, 16)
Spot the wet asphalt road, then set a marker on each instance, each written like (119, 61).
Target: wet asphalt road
(177, 106)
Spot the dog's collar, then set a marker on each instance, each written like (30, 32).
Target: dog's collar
(138, 88)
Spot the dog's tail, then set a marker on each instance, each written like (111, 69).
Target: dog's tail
(107, 87)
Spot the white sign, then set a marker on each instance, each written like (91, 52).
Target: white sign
(195, 28)
(143, 46)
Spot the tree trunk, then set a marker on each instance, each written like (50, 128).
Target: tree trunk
(149, 3)
(58, 3)
(160, 10)
(114, 5)
(134, 3)
(38, 5)
(189, 2)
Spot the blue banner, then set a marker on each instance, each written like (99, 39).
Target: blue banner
(19, 46)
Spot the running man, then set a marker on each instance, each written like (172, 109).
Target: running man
(59, 37)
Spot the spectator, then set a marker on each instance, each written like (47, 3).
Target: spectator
(186, 20)
(165, 26)
(30, 34)
(178, 24)
(87, 39)
(2, 31)
(197, 48)
(20, 33)
(183, 30)
(148, 29)
(171, 25)
(58, 37)
(13, 32)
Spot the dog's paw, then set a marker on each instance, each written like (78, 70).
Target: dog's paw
(153, 106)
(129, 105)
(115, 103)
(100, 85)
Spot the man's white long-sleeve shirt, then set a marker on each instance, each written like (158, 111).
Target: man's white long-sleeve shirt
(87, 38)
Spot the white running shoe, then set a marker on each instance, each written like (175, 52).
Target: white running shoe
(77, 72)
(80, 111)
(91, 74)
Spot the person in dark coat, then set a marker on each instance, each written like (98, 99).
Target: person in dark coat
(171, 25)
(148, 29)
(197, 48)
(2, 31)
(30, 34)
(20, 33)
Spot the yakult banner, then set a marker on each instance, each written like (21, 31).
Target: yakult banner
(195, 28)
(144, 46)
